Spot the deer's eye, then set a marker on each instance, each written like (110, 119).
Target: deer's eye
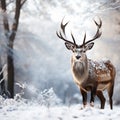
(83, 51)
(74, 50)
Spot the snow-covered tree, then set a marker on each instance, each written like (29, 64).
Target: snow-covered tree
(10, 31)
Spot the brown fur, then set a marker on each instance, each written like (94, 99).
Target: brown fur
(89, 75)
(95, 77)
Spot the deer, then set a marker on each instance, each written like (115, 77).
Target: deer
(89, 75)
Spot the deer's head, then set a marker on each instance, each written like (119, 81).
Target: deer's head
(79, 51)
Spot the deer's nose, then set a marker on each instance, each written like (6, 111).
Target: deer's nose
(78, 57)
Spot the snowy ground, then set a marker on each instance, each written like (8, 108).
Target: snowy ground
(43, 45)
(34, 111)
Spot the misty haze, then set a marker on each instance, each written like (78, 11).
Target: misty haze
(42, 62)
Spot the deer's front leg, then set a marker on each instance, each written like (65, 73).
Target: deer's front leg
(93, 93)
(84, 97)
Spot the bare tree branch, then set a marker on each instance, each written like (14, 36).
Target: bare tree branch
(3, 4)
(22, 2)
(5, 19)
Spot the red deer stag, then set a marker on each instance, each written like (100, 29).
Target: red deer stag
(89, 75)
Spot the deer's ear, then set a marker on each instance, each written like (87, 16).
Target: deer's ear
(89, 46)
(69, 46)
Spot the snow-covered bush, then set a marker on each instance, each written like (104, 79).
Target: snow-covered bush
(48, 98)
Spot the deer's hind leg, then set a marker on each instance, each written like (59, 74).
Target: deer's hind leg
(102, 98)
(110, 94)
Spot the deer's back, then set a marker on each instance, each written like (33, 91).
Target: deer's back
(104, 72)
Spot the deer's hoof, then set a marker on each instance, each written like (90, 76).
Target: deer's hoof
(92, 104)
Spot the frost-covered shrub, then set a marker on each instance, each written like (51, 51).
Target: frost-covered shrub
(16, 101)
(48, 98)
(1, 100)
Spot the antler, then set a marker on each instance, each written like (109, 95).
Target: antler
(64, 37)
(97, 35)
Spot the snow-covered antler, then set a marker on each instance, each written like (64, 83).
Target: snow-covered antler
(62, 30)
(97, 35)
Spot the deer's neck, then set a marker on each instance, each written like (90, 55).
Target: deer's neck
(80, 70)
